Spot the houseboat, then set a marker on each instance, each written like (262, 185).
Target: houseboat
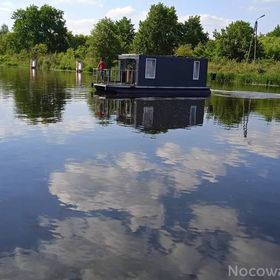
(147, 75)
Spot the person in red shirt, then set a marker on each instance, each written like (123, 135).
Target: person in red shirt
(101, 66)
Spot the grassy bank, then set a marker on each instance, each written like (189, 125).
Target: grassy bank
(265, 72)
(57, 61)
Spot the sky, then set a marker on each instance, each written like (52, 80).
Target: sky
(81, 15)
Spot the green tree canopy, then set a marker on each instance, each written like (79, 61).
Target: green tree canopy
(275, 32)
(126, 33)
(159, 33)
(104, 41)
(208, 49)
(271, 46)
(192, 32)
(76, 41)
(43, 25)
(233, 42)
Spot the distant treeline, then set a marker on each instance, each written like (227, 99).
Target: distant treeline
(41, 33)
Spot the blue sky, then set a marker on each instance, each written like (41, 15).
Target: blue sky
(81, 15)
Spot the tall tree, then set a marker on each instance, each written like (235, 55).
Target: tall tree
(104, 41)
(158, 33)
(34, 26)
(233, 42)
(126, 33)
(192, 32)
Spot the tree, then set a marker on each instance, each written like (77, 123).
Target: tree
(271, 46)
(208, 49)
(4, 29)
(275, 32)
(233, 42)
(126, 33)
(184, 50)
(192, 32)
(75, 41)
(159, 33)
(34, 26)
(104, 41)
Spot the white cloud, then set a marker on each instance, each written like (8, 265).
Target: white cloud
(128, 12)
(196, 165)
(120, 12)
(99, 3)
(213, 240)
(210, 22)
(212, 218)
(80, 26)
(261, 143)
(113, 184)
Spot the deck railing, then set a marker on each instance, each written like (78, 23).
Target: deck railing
(114, 76)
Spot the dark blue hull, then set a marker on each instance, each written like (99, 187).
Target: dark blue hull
(134, 91)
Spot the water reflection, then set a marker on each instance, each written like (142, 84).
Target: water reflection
(39, 97)
(152, 115)
(232, 111)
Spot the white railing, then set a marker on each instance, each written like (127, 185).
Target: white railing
(114, 76)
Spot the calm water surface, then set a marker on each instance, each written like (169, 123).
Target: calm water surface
(134, 189)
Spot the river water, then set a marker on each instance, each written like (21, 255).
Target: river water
(135, 189)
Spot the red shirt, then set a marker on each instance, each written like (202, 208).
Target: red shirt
(101, 65)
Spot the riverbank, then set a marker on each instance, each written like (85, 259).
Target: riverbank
(56, 61)
(263, 72)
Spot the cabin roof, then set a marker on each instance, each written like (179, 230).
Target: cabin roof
(128, 56)
(136, 57)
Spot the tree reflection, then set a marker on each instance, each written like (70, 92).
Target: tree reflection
(39, 97)
(232, 112)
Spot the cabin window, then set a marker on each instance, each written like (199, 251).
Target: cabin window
(196, 70)
(150, 71)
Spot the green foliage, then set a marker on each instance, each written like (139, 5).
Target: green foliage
(192, 32)
(265, 72)
(39, 50)
(184, 50)
(159, 33)
(34, 26)
(271, 46)
(231, 111)
(4, 29)
(208, 50)
(75, 41)
(3, 43)
(275, 32)
(126, 33)
(104, 41)
(233, 42)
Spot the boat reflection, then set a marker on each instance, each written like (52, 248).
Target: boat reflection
(153, 115)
